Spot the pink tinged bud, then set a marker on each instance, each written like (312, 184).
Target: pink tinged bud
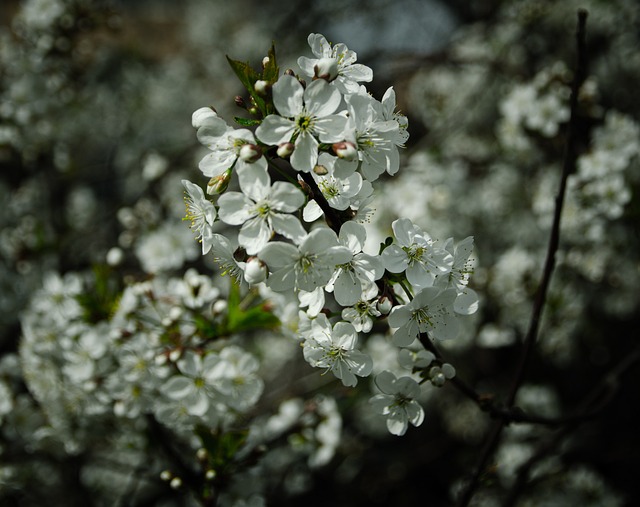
(346, 150)
(262, 87)
(218, 184)
(289, 72)
(326, 68)
(285, 150)
(250, 153)
(384, 305)
(240, 102)
(255, 271)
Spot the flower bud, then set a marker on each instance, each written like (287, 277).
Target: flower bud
(384, 305)
(289, 72)
(326, 68)
(265, 61)
(240, 102)
(255, 271)
(320, 170)
(166, 475)
(202, 454)
(436, 376)
(175, 354)
(346, 150)
(210, 474)
(115, 256)
(218, 184)
(176, 483)
(250, 153)
(262, 87)
(285, 150)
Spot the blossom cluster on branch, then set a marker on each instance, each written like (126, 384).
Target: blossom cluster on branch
(324, 129)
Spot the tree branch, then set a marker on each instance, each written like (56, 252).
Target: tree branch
(568, 168)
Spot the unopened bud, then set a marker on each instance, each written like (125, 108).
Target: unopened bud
(240, 102)
(289, 72)
(346, 150)
(218, 184)
(262, 87)
(255, 271)
(436, 376)
(384, 305)
(115, 256)
(285, 150)
(176, 483)
(326, 68)
(219, 307)
(250, 153)
(448, 370)
(265, 61)
(252, 110)
(210, 474)
(202, 454)
(175, 354)
(320, 170)
(166, 475)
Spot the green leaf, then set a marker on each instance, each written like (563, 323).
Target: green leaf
(222, 447)
(246, 319)
(248, 78)
(100, 302)
(247, 122)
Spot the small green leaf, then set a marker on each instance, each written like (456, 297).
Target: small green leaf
(247, 122)
(248, 78)
(222, 447)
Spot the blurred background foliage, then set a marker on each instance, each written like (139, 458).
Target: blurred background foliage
(95, 136)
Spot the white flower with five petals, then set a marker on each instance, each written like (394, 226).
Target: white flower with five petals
(261, 209)
(334, 63)
(333, 348)
(306, 267)
(306, 118)
(398, 402)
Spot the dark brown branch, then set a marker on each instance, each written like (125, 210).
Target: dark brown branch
(568, 167)
(593, 404)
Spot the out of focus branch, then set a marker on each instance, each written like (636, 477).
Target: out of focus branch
(568, 168)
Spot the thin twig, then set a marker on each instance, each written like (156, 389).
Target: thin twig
(569, 163)
(594, 403)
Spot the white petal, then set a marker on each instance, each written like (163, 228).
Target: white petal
(394, 259)
(235, 208)
(287, 96)
(397, 422)
(305, 154)
(311, 211)
(254, 182)
(278, 254)
(466, 303)
(289, 226)
(321, 99)
(275, 130)
(286, 197)
(347, 288)
(254, 235)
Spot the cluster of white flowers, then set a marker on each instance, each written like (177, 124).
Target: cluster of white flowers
(337, 139)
